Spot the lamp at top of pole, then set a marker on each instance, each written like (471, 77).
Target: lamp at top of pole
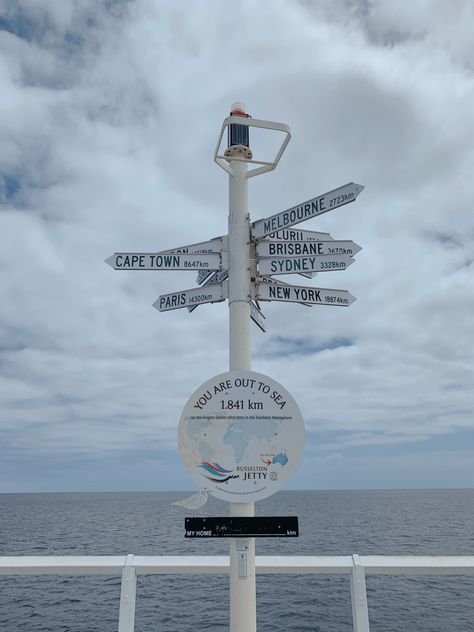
(238, 135)
(238, 124)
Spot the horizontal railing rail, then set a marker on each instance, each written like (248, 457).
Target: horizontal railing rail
(129, 566)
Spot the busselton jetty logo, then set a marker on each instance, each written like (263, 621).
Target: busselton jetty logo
(215, 472)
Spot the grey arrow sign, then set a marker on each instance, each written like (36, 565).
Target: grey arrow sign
(299, 294)
(191, 298)
(295, 265)
(307, 210)
(164, 261)
(289, 234)
(203, 247)
(270, 248)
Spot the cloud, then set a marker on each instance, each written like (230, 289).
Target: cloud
(109, 116)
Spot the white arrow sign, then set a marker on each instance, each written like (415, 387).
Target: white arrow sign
(169, 261)
(307, 210)
(257, 316)
(191, 298)
(213, 245)
(269, 279)
(203, 275)
(216, 277)
(295, 265)
(299, 235)
(301, 248)
(299, 294)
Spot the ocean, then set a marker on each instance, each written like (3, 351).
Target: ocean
(425, 522)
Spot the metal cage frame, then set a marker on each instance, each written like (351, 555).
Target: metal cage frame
(223, 162)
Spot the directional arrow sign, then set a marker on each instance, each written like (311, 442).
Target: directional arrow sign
(216, 277)
(191, 298)
(203, 275)
(157, 261)
(299, 235)
(298, 248)
(298, 294)
(257, 316)
(268, 279)
(294, 265)
(203, 247)
(307, 210)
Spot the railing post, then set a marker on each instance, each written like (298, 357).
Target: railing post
(127, 596)
(360, 610)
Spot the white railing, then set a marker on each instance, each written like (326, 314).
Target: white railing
(129, 566)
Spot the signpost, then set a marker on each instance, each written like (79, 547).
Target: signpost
(305, 295)
(270, 248)
(191, 298)
(164, 261)
(203, 247)
(241, 433)
(299, 235)
(307, 210)
(212, 278)
(269, 279)
(295, 265)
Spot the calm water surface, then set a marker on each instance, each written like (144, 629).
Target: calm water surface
(331, 523)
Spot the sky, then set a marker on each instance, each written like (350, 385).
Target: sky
(109, 116)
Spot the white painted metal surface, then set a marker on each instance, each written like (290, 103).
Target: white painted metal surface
(243, 605)
(294, 234)
(131, 565)
(128, 593)
(307, 210)
(165, 261)
(211, 278)
(213, 245)
(280, 248)
(301, 294)
(360, 610)
(212, 293)
(211, 564)
(295, 265)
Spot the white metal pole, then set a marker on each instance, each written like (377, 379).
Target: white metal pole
(243, 608)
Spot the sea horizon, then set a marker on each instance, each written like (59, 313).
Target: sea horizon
(176, 491)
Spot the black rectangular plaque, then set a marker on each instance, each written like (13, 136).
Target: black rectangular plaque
(242, 527)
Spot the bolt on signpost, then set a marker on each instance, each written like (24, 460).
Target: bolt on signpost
(241, 433)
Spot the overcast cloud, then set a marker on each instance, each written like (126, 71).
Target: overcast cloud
(109, 115)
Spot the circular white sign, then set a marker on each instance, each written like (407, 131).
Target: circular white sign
(241, 436)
